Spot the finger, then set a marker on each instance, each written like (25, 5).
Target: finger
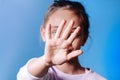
(74, 54)
(68, 30)
(73, 35)
(48, 31)
(60, 28)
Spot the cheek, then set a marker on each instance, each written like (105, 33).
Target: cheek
(77, 43)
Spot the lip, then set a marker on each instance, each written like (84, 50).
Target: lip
(70, 49)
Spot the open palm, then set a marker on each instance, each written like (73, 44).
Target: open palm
(57, 48)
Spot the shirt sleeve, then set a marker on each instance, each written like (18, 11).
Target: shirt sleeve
(23, 74)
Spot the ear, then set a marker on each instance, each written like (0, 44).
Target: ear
(42, 31)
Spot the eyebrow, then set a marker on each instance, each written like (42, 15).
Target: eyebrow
(55, 26)
(74, 28)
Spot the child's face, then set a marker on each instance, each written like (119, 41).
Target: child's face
(56, 18)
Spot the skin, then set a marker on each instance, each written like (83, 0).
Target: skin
(63, 42)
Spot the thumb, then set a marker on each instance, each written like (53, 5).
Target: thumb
(74, 54)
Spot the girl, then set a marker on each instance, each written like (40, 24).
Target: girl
(65, 30)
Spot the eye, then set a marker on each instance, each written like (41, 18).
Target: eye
(54, 32)
(78, 35)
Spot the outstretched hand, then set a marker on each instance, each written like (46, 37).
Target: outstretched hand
(58, 49)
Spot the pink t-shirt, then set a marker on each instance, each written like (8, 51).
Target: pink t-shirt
(56, 74)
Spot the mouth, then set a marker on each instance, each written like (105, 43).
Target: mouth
(70, 49)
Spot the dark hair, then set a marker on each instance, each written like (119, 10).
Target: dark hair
(74, 6)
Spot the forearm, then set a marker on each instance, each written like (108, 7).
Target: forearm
(38, 67)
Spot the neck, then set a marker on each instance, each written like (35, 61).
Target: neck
(71, 67)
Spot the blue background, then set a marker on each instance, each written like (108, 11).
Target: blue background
(20, 40)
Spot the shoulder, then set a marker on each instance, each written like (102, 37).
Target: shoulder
(91, 75)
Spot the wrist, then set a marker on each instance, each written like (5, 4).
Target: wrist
(45, 62)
